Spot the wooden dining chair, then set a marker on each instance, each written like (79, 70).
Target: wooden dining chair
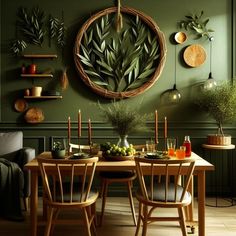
(127, 177)
(163, 187)
(67, 185)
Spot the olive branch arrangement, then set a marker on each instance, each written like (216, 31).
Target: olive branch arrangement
(124, 118)
(119, 61)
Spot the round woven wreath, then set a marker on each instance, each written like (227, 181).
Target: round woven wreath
(120, 64)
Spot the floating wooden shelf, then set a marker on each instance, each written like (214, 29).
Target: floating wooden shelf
(43, 97)
(40, 56)
(36, 75)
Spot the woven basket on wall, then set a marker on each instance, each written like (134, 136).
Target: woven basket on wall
(111, 94)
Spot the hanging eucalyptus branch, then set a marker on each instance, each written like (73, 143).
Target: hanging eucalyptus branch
(119, 62)
(18, 46)
(31, 25)
(57, 30)
(196, 24)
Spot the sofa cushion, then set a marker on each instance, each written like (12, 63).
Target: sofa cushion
(11, 142)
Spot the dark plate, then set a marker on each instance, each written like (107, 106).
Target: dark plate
(154, 155)
(80, 155)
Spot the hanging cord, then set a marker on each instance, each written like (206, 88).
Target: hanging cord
(210, 55)
(175, 66)
(119, 18)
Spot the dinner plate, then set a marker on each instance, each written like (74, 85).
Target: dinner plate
(154, 155)
(80, 155)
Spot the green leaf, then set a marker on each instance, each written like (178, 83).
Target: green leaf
(104, 65)
(99, 82)
(92, 73)
(146, 73)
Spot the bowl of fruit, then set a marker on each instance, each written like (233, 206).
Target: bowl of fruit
(113, 152)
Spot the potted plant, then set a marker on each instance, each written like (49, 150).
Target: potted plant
(124, 119)
(220, 104)
(58, 150)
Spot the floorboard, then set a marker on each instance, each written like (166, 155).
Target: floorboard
(220, 221)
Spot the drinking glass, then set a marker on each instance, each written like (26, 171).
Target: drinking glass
(180, 152)
(171, 144)
(150, 146)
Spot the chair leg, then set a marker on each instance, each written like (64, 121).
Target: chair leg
(139, 219)
(182, 221)
(49, 222)
(129, 184)
(86, 221)
(104, 196)
(145, 215)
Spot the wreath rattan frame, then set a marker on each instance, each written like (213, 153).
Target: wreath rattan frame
(126, 94)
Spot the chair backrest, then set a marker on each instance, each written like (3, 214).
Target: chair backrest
(160, 179)
(73, 146)
(67, 181)
(11, 142)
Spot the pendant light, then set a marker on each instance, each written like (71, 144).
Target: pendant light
(210, 82)
(174, 95)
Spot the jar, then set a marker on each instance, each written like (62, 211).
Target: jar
(32, 69)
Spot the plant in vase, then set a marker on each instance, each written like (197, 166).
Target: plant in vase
(124, 119)
(220, 104)
(58, 150)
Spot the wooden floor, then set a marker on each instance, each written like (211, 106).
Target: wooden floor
(220, 221)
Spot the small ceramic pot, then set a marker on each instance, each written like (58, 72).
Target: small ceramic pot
(58, 154)
(36, 91)
(32, 69)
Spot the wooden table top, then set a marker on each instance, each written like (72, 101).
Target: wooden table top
(104, 165)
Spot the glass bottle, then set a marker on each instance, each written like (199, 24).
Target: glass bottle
(187, 144)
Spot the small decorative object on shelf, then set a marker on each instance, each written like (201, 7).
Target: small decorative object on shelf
(32, 69)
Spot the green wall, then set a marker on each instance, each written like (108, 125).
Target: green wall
(183, 118)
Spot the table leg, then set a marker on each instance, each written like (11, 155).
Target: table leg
(34, 203)
(201, 202)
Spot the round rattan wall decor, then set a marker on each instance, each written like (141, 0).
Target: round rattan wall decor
(120, 64)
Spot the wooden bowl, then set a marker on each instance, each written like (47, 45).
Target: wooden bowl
(118, 158)
(180, 37)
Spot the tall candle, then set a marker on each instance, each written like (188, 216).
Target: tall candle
(89, 132)
(165, 135)
(69, 134)
(156, 127)
(79, 124)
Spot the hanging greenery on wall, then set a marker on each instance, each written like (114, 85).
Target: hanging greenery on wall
(120, 63)
(196, 24)
(31, 28)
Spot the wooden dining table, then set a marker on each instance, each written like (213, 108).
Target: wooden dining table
(200, 170)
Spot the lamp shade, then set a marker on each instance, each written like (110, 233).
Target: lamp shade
(210, 82)
(174, 95)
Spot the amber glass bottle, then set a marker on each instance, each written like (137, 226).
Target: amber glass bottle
(187, 144)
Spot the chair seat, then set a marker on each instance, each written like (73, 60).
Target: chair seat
(159, 193)
(117, 174)
(76, 197)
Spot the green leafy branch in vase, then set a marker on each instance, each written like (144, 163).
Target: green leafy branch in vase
(119, 62)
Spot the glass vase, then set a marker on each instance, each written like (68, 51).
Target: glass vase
(123, 142)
